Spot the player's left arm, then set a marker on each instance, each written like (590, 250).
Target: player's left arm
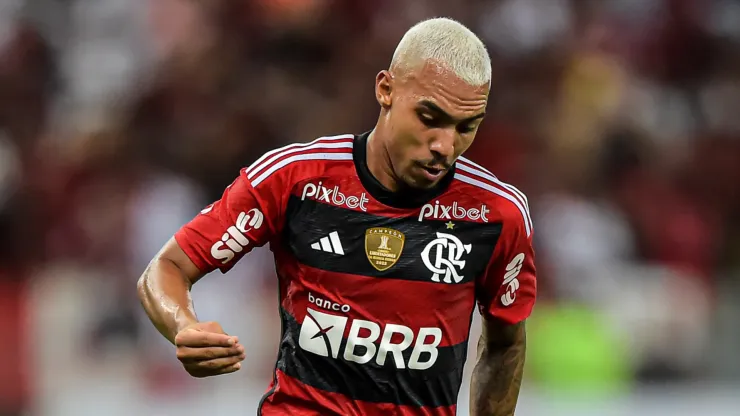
(505, 295)
(497, 377)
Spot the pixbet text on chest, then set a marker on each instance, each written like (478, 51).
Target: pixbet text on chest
(334, 196)
(449, 212)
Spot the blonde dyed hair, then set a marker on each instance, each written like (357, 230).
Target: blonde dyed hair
(449, 44)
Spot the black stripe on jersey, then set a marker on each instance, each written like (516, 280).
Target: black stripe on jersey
(433, 387)
(309, 221)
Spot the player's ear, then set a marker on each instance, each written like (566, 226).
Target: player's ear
(383, 88)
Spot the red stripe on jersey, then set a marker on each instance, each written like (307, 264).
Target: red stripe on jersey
(184, 241)
(288, 396)
(349, 187)
(410, 303)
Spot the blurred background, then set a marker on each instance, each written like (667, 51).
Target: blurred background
(121, 119)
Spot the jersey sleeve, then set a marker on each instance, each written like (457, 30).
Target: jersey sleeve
(509, 288)
(244, 218)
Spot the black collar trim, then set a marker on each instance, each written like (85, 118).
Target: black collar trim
(405, 198)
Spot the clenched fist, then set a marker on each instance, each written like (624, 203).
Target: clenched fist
(206, 350)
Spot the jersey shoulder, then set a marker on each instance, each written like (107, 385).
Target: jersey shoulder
(477, 181)
(290, 164)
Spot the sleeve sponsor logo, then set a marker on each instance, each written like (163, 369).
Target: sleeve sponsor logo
(234, 239)
(510, 279)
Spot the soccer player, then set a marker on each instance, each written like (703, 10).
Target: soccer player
(384, 244)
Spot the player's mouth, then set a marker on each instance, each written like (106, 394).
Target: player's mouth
(432, 173)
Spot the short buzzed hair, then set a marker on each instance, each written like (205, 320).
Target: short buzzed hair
(449, 43)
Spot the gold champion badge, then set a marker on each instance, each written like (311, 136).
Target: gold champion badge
(383, 247)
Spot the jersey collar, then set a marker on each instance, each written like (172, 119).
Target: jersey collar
(407, 198)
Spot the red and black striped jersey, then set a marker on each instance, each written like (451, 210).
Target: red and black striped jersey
(377, 289)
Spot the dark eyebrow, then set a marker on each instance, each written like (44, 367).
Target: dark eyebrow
(435, 108)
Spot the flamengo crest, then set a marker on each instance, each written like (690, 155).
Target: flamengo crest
(443, 257)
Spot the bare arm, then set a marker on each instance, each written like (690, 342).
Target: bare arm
(497, 376)
(164, 290)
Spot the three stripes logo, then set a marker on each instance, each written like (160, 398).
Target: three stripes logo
(329, 244)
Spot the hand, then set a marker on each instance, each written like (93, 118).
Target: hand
(206, 350)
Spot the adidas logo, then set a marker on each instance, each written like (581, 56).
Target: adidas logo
(329, 244)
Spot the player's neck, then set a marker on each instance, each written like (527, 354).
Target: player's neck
(379, 162)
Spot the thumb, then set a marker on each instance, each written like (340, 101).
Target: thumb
(214, 327)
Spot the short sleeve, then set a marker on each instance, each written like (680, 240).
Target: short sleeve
(508, 290)
(223, 232)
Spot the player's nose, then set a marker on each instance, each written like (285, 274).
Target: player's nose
(442, 145)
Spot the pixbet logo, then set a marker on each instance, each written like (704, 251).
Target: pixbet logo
(510, 281)
(334, 196)
(456, 212)
(443, 256)
(234, 240)
(321, 334)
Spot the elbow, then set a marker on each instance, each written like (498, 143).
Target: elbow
(160, 274)
(144, 284)
(141, 287)
(498, 337)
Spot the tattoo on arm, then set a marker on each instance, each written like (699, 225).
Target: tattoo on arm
(497, 376)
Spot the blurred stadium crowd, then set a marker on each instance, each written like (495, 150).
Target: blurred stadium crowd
(120, 119)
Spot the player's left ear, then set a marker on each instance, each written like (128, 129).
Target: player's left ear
(383, 88)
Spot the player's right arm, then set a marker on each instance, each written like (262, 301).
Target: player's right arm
(164, 290)
(216, 238)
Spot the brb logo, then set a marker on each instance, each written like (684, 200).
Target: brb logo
(321, 334)
(233, 241)
(333, 196)
(446, 212)
(510, 281)
(443, 256)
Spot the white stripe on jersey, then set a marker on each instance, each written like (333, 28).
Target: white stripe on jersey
(502, 193)
(273, 155)
(485, 173)
(296, 158)
(515, 192)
